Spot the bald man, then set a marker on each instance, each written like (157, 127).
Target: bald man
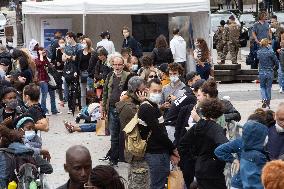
(275, 145)
(78, 165)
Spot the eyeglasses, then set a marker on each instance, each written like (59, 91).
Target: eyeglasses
(153, 76)
(117, 65)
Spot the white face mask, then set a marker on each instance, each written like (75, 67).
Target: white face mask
(174, 79)
(10, 44)
(62, 46)
(155, 97)
(29, 135)
(279, 129)
(134, 67)
(83, 46)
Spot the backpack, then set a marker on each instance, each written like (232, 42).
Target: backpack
(134, 144)
(55, 80)
(17, 167)
(68, 72)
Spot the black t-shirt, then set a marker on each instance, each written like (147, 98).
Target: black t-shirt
(35, 112)
(84, 62)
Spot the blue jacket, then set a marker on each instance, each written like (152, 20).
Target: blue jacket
(253, 157)
(224, 152)
(267, 59)
(275, 145)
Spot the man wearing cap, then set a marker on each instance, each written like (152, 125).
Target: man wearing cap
(106, 43)
(232, 35)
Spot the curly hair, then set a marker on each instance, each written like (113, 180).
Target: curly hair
(147, 61)
(176, 67)
(212, 108)
(204, 50)
(210, 88)
(161, 42)
(273, 175)
(104, 176)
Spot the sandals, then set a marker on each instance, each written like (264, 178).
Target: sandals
(69, 127)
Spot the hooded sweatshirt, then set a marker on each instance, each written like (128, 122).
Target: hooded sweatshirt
(178, 48)
(32, 45)
(253, 157)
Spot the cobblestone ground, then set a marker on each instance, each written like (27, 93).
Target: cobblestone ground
(245, 98)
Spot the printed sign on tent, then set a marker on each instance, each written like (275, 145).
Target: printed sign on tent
(50, 26)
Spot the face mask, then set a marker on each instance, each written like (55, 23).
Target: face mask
(12, 104)
(279, 129)
(155, 97)
(62, 46)
(174, 79)
(10, 44)
(83, 46)
(29, 135)
(134, 67)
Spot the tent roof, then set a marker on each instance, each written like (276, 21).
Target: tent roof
(115, 6)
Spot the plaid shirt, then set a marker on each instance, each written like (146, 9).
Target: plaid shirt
(42, 73)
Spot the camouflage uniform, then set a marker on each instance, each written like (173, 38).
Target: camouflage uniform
(232, 35)
(221, 47)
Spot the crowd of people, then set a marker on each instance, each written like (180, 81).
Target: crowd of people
(179, 114)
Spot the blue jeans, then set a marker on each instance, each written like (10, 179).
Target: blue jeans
(44, 90)
(88, 127)
(90, 83)
(266, 79)
(159, 166)
(65, 90)
(114, 129)
(280, 77)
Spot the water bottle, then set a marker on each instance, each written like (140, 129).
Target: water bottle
(33, 185)
(12, 185)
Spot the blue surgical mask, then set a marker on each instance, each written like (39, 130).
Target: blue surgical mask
(155, 97)
(29, 135)
(174, 78)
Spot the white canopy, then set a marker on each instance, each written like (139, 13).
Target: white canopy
(115, 6)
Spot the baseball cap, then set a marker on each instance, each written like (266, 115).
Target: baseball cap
(104, 34)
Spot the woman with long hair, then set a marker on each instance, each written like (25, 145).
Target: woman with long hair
(201, 56)
(267, 61)
(162, 53)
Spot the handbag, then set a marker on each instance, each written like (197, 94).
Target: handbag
(175, 179)
(101, 127)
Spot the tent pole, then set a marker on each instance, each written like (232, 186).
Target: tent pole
(84, 24)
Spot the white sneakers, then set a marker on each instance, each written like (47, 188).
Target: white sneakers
(281, 90)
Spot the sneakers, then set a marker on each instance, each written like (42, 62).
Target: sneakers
(281, 90)
(57, 113)
(265, 104)
(105, 158)
(47, 114)
(69, 112)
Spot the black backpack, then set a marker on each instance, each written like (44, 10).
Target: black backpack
(55, 80)
(68, 72)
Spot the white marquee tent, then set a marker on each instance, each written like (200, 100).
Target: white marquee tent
(94, 16)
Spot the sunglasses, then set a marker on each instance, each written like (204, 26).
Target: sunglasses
(153, 76)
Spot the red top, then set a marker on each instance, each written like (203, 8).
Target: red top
(42, 73)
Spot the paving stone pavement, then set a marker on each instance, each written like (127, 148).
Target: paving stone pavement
(58, 140)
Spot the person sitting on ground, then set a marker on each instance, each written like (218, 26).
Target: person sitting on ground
(31, 95)
(164, 74)
(152, 75)
(133, 65)
(78, 165)
(26, 126)
(200, 142)
(105, 177)
(272, 179)
(147, 66)
(91, 114)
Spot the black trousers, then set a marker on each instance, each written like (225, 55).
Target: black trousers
(219, 183)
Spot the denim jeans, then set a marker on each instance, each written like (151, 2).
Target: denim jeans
(83, 87)
(159, 166)
(266, 79)
(88, 127)
(65, 90)
(280, 77)
(114, 129)
(90, 83)
(44, 90)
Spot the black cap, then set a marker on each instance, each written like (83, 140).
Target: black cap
(190, 76)
(104, 34)
(5, 62)
(164, 67)
(222, 23)
(198, 84)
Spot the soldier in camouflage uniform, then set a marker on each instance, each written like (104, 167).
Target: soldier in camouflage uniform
(232, 35)
(221, 44)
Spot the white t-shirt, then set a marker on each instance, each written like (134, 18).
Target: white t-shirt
(178, 48)
(108, 45)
